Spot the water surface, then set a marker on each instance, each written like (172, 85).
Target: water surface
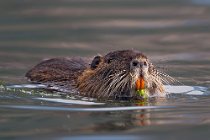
(174, 34)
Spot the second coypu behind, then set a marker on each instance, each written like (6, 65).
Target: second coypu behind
(113, 75)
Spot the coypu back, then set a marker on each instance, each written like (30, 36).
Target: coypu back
(60, 70)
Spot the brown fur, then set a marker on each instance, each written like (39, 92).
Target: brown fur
(57, 70)
(106, 76)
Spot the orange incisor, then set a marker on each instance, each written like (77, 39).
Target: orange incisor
(140, 87)
(140, 84)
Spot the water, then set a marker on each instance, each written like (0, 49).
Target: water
(174, 34)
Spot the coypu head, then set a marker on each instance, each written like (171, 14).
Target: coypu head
(115, 75)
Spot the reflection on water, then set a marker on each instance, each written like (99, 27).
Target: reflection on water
(174, 34)
(26, 120)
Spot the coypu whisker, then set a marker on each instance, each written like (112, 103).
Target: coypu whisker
(163, 79)
(166, 76)
(114, 85)
(118, 84)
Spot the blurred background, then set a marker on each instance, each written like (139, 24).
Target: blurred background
(173, 33)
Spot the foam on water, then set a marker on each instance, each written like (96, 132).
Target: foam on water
(32, 86)
(189, 90)
(69, 101)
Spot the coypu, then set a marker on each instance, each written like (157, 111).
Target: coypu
(113, 75)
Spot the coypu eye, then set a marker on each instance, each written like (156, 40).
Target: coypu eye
(135, 63)
(145, 63)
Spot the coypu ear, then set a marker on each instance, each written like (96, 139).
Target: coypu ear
(95, 62)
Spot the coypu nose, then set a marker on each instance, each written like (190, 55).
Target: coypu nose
(141, 74)
(139, 67)
(139, 64)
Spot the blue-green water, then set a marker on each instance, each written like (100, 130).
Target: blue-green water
(174, 34)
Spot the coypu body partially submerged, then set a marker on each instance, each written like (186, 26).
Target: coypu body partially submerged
(113, 75)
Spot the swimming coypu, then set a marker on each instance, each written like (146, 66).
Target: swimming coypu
(113, 75)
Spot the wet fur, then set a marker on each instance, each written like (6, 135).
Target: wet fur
(58, 71)
(104, 77)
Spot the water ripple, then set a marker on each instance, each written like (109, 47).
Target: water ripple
(104, 109)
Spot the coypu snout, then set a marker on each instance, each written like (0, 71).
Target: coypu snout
(139, 71)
